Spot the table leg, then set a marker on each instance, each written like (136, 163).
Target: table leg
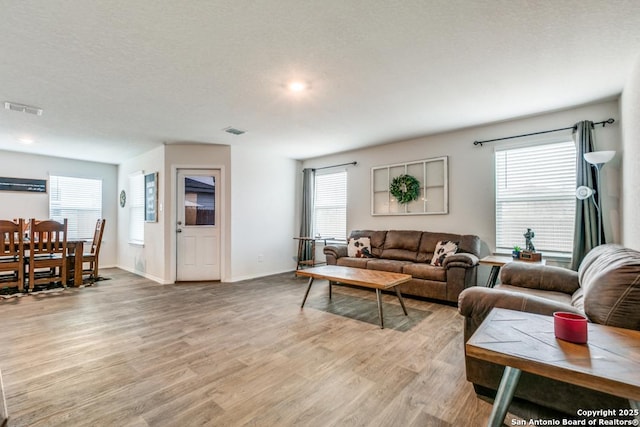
(493, 276)
(77, 276)
(401, 301)
(330, 290)
(379, 297)
(507, 387)
(306, 294)
(635, 405)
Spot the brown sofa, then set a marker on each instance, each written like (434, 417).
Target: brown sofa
(606, 289)
(410, 252)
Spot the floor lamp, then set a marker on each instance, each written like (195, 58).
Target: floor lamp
(597, 159)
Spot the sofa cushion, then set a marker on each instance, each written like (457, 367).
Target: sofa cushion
(391, 265)
(401, 245)
(377, 239)
(610, 278)
(425, 271)
(359, 248)
(444, 248)
(466, 243)
(552, 295)
(352, 262)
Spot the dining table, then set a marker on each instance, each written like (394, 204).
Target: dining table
(74, 247)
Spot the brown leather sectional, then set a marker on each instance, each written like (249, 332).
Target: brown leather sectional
(410, 252)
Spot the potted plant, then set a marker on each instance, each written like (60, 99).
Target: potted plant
(516, 252)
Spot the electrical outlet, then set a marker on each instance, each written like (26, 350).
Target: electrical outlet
(260, 258)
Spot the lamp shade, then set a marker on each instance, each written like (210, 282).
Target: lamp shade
(584, 192)
(599, 157)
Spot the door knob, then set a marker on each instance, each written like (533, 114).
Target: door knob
(178, 230)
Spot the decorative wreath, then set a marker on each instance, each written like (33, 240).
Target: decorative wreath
(405, 188)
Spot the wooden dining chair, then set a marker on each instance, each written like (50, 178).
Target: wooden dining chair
(91, 257)
(47, 252)
(12, 254)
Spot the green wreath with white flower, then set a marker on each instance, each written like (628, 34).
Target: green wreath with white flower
(405, 188)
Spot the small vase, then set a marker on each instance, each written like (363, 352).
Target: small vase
(515, 254)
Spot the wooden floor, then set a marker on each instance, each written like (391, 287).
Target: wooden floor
(130, 352)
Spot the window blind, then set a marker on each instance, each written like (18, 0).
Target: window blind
(77, 199)
(136, 208)
(535, 188)
(330, 211)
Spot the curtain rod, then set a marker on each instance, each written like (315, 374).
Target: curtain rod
(603, 123)
(335, 166)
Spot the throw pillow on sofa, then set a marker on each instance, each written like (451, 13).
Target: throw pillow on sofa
(359, 248)
(444, 248)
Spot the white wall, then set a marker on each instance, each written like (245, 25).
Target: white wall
(197, 156)
(15, 204)
(259, 193)
(263, 211)
(147, 260)
(471, 176)
(630, 109)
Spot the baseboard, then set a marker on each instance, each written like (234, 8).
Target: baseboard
(145, 275)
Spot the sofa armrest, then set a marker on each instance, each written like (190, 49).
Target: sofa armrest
(463, 260)
(475, 304)
(537, 276)
(333, 252)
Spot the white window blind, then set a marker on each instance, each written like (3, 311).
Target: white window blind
(535, 188)
(136, 208)
(330, 212)
(77, 199)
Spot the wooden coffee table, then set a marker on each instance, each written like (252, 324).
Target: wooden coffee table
(378, 280)
(609, 362)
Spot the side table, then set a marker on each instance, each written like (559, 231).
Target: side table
(609, 362)
(302, 245)
(496, 262)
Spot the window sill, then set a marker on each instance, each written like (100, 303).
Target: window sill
(136, 243)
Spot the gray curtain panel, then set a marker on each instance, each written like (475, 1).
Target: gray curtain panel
(586, 224)
(306, 224)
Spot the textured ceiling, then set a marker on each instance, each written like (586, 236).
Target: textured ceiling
(118, 77)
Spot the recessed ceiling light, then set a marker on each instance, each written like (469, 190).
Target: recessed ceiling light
(297, 86)
(26, 140)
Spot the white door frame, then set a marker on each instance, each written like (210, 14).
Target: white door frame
(173, 218)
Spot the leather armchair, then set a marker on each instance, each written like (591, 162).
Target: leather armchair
(606, 289)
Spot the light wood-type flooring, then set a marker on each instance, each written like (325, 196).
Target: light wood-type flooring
(131, 352)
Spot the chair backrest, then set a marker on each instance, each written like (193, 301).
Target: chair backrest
(47, 237)
(11, 242)
(97, 237)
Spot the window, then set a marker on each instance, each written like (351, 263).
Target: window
(77, 199)
(535, 188)
(136, 208)
(330, 212)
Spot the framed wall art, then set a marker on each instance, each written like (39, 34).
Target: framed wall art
(151, 197)
(414, 188)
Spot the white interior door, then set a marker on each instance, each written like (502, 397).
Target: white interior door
(198, 225)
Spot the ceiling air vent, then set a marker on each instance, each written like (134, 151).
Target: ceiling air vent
(23, 108)
(234, 131)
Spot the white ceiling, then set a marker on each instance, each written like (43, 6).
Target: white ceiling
(118, 77)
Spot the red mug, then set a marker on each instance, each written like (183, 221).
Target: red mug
(570, 327)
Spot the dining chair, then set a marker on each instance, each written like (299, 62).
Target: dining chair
(12, 254)
(47, 252)
(91, 257)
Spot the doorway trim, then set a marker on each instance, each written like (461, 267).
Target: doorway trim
(173, 218)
